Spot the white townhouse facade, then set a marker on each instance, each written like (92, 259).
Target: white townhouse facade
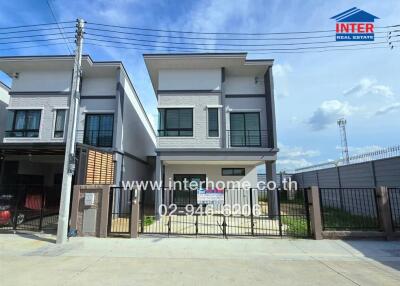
(216, 117)
(110, 118)
(4, 100)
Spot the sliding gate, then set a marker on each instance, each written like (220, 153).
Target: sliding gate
(231, 212)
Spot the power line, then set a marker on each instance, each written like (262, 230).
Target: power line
(217, 33)
(220, 44)
(32, 36)
(61, 31)
(35, 25)
(227, 49)
(38, 40)
(31, 46)
(217, 39)
(255, 53)
(33, 30)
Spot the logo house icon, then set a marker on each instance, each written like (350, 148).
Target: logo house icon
(354, 25)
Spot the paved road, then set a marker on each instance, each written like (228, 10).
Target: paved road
(36, 260)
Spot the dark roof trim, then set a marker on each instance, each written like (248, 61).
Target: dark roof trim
(243, 95)
(188, 91)
(39, 93)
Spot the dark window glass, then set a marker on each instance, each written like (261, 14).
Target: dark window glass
(245, 129)
(175, 122)
(233, 171)
(213, 130)
(99, 130)
(59, 124)
(23, 123)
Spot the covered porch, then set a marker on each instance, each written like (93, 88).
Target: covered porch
(30, 185)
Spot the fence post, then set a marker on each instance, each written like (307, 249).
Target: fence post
(134, 221)
(384, 213)
(315, 212)
(251, 212)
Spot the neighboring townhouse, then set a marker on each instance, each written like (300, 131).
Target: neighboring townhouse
(4, 100)
(216, 117)
(111, 119)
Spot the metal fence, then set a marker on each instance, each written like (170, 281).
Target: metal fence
(119, 219)
(384, 153)
(394, 203)
(29, 207)
(235, 212)
(349, 209)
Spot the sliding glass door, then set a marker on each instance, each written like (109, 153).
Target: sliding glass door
(245, 129)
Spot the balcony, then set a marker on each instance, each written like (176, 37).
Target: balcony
(22, 133)
(247, 138)
(96, 138)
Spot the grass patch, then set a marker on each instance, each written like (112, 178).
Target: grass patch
(342, 220)
(295, 226)
(148, 220)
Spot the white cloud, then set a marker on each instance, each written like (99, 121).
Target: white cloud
(328, 112)
(291, 158)
(367, 86)
(281, 81)
(389, 108)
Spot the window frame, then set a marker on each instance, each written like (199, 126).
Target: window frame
(86, 125)
(24, 130)
(165, 130)
(208, 123)
(55, 123)
(242, 172)
(244, 122)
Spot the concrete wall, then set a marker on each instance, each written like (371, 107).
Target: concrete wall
(243, 85)
(4, 101)
(190, 79)
(213, 172)
(199, 103)
(386, 172)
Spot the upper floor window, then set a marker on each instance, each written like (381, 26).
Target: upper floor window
(213, 130)
(233, 171)
(245, 129)
(99, 130)
(23, 123)
(59, 123)
(175, 122)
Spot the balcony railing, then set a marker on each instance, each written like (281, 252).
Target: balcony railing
(29, 133)
(96, 138)
(247, 138)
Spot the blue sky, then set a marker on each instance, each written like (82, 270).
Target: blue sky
(312, 90)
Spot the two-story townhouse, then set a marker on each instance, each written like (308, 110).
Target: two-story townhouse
(216, 117)
(4, 100)
(110, 118)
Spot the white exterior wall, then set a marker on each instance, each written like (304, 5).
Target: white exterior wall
(250, 104)
(4, 101)
(213, 172)
(38, 80)
(99, 85)
(48, 105)
(190, 79)
(244, 85)
(199, 102)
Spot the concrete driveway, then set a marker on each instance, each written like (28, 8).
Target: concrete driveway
(36, 260)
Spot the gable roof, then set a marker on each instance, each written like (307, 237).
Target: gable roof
(354, 15)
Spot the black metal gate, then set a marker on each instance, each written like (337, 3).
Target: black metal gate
(394, 203)
(119, 219)
(240, 212)
(29, 207)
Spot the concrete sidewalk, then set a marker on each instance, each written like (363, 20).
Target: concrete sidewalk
(36, 260)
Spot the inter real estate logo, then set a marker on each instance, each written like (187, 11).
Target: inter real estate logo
(354, 25)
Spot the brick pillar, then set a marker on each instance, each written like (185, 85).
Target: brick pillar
(315, 212)
(384, 211)
(134, 214)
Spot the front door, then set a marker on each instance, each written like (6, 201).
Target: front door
(183, 194)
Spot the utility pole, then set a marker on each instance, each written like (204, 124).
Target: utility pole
(343, 138)
(69, 159)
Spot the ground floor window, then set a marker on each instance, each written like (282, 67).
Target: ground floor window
(233, 171)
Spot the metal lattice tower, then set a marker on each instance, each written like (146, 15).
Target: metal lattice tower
(343, 139)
